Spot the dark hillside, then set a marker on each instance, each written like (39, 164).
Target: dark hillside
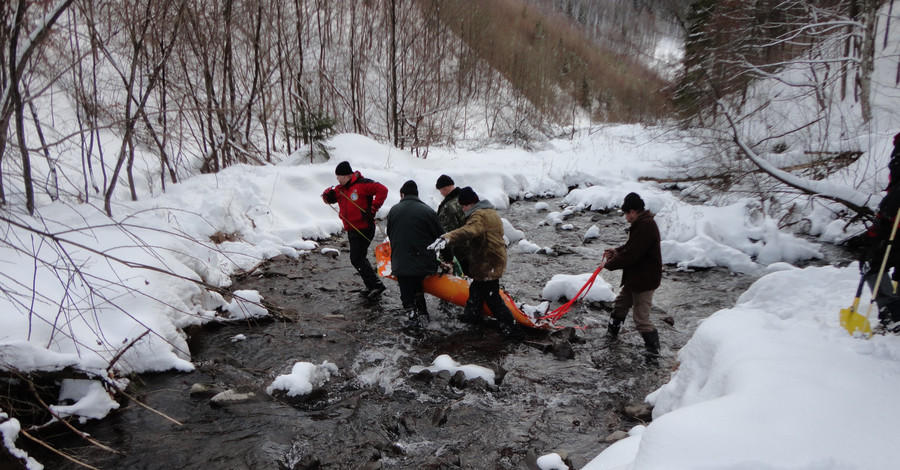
(548, 58)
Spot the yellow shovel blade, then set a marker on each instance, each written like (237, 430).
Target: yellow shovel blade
(853, 321)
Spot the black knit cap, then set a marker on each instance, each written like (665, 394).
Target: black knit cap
(467, 196)
(343, 168)
(443, 181)
(409, 188)
(633, 202)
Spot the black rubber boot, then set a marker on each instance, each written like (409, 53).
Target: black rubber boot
(894, 309)
(651, 342)
(612, 329)
(511, 331)
(472, 311)
(415, 321)
(421, 305)
(374, 293)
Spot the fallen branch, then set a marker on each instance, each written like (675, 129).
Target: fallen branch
(152, 410)
(65, 423)
(839, 159)
(56, 451)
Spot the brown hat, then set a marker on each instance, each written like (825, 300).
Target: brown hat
(343, 168)
(443, 181)
(633, 202)
(467, 196)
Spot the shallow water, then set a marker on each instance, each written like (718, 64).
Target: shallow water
(374, 413)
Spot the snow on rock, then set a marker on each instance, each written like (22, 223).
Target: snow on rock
(445, 362)
(303, 378)
(511, 233)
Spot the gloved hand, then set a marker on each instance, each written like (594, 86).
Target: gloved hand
(328, 196)
(446, 267)
(438, 244)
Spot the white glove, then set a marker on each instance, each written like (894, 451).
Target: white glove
(438, 244)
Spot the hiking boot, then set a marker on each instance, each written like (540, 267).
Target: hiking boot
(375, 292)
(415, 321)
(470, 317)
(894, 310)
(884, 315)
(651, 342)
(892, 327)
(511, 332)
(612, 329)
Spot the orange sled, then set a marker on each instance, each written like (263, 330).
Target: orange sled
(450, 288)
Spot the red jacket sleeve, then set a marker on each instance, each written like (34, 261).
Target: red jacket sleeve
(380, 192)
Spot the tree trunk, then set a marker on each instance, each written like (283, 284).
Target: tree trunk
(869, 19)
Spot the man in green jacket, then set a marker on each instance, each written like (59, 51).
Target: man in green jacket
(452, 217)
(640, 260)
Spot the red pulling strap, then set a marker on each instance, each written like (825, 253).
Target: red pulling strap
(558, 312)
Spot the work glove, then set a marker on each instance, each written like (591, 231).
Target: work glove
(328, 196)
(438, 244)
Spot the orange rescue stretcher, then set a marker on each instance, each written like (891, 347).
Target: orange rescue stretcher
(453, 289)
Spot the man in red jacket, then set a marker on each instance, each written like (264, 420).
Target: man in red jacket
(358, 201)
(640, 260)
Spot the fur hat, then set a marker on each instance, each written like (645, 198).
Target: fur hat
(633, 202)
(443, 181)
(343, 168)
(409, 188)
(467, 196)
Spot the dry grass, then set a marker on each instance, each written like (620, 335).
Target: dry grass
(551, 62)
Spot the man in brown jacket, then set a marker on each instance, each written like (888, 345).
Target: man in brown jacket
(483, 232)
(640, 260)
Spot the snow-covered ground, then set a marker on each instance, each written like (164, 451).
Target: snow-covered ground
(775, 369)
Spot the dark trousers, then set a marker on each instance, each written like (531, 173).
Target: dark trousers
(412, 294)
(481, 292)
(359, 256)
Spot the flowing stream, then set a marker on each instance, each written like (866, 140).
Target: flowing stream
(557, 392)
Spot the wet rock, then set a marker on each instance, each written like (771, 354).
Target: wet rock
(200, 390)
(478, 383)
(563, 350)
(231, 396)
(372, 466)
(567, 334)
(531, 460)
(440, 416)
(310, 463)
(423, 375)
(669, 320)
(499, 374)
(459, 379)
(408, 425)
(443, 376)
(639, 410)
(615, 436)
(562, 250)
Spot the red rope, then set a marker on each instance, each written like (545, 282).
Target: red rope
(558, 312)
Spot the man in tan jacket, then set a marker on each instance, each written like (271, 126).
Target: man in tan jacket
(483, 234)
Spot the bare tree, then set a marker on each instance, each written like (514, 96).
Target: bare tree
(18, 59)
